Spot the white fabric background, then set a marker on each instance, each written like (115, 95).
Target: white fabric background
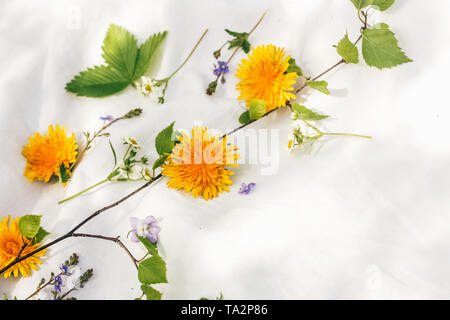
(358, 219)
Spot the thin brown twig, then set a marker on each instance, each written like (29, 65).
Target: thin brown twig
(67, 293)
(96, 213)
(41, 287)
(341, 61)
(71, 232)
(89, 141)
(237, 49)
(115, 240)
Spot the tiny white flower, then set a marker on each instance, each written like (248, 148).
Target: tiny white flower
(291, 143)
(132, 142)
(135, 172)
(148, 87)
(292, 136)
(122, 170)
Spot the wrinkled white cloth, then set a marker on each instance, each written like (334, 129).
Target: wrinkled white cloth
(353, 219)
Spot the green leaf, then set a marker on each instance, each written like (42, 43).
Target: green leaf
(303, 113)
(151, 293)
(246, 46)
(382, 5)
(359, 4)
(145, 53)
(237, 42)
(152, 270)
(321, 86)
(164, 142)
(100, 81)
(126, 63)
(113, 152)
(240, 40)
(347, 50)
(63, 173)
(29, 225)
(120, 51)
(244, 118)
(237, 34)
(293, 67)
(380, 48)
(40, 235)
(257, 109)
(151, 247)
(159, 162)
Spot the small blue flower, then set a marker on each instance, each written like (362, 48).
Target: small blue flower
(222, 68)
(246, 189)
(107, 118)
(65, 270)
(58, 283)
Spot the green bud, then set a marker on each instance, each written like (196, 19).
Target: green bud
(86, 276)
(133, 113)
(216, 54)
(41, 283)
(211, 88)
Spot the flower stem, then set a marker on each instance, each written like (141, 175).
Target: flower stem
(85, 190)
(189, 56)
(237, 49)
(40, 288)
(321, 134)
(258, 23)
(347, 134)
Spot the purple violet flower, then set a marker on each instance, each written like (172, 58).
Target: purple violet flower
(246, 189)
(58, 283)
(146, 228)
(222, 68)
(65, 270)
(107, 118)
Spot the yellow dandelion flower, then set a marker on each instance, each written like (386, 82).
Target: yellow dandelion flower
(197, 164)
(46, 153)
(11, 243)
(263, 77)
